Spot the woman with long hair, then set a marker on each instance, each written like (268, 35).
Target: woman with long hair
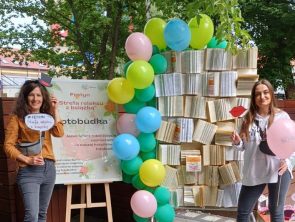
(261, 167)
(36, 174)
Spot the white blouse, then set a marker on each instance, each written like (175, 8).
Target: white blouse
(260, 168)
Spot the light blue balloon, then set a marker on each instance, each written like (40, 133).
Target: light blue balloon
(177, 34)
(125, 146)
(148, 119)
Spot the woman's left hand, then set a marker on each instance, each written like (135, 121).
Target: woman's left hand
(54, 102)
(283, 167)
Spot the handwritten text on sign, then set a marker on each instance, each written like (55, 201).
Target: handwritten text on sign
(39, 121)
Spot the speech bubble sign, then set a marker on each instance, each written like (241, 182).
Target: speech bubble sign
(39, 121)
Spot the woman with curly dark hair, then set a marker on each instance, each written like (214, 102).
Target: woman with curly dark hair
(36, 174)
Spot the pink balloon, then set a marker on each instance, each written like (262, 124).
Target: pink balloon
(126, 124)
(138, 47)
(143, 203)
(281, 138)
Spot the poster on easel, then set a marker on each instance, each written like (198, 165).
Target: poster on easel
(84, 154)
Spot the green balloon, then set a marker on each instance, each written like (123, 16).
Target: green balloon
(146, 94)
(126, 65)
(148, 155)
(201, 31)
(214, 43)
(150, 189)
(147, 142)
(137, 183)
(165, 213)
(140, 219)
(133, 106)
(127, 178)
(162, 195)
(155, 49)
(152, 102)
(131, 167)
(159, 63)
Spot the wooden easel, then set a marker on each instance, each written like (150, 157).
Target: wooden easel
(86, 189)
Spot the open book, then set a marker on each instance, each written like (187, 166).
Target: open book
(192, 61)
(204, 132)
(192, 84)
(224, 132)
(211, 176)
(169, 84)
(218, 110)
(246, 59)
(229, 173)
(166, 131)
(213, 155)
(245, 84)
(169, 154)
(171, 178)
(173, 61)
(218, 59)
(219, 84)
(195, 107)
(171, 105)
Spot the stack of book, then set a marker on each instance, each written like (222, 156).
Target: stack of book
(196, 97)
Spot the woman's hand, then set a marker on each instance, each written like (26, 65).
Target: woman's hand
(31, 160)
(236, 139)
(35, 160)
(54, 102)
(283, 167)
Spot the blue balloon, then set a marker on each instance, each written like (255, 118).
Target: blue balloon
(177, 34)
(125, 146)
(148, 119)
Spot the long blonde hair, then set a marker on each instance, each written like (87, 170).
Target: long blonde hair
(249, 118)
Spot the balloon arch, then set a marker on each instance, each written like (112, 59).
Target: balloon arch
(136, 144)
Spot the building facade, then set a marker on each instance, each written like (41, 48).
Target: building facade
(14, 73)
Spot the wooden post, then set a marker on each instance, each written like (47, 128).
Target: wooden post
(88, 204)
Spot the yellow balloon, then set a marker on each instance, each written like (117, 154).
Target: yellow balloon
(152, 172)
(120, 90)
(140, 73)
(154, 29)
(202, 32)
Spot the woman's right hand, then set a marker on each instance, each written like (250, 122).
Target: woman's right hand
(35, 160)
(236, 139)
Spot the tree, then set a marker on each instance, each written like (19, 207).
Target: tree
(92, 32)
(86, 37)
(272, 25)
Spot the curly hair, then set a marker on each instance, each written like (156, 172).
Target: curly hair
(249, 118)
(22, 107)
